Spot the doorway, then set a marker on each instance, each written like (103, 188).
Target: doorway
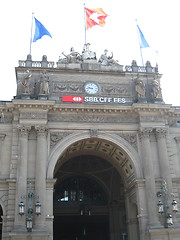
(81, 228)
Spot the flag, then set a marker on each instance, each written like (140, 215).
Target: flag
(143, 42)
(95, 17)
(40, 31)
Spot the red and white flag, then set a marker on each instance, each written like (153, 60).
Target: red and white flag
(95, 17)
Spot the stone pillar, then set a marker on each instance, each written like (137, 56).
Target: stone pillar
(49, 206)
(114, 221)
(163, 157)
(150, 188)
(21, 180)
(40, 174)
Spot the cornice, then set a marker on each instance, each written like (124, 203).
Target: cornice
(51, 106)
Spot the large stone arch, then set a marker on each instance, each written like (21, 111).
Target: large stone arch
(116, 140)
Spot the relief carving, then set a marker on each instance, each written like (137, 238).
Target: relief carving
(130, 138)
(56, 137)
(101, 119)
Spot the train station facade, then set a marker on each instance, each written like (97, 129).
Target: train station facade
(89, 150)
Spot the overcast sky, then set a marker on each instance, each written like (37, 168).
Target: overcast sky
(159, 21)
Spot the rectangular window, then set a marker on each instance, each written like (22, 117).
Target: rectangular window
(178, 123)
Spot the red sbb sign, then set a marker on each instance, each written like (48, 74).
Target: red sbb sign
(72, 98)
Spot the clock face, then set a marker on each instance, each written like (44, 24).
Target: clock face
(91, 88)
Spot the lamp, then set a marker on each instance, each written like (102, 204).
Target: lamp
(30, 196)
(169, 220)
(163, 206)
(21, 208)
(160, 207)
(29, 223)
(38, 208)
(174, 206)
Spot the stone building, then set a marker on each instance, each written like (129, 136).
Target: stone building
(89, 150)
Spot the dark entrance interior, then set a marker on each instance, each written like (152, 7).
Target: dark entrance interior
(81, 228)
(88, 200)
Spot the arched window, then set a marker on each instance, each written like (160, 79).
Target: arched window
(1, 214)
(79, 189)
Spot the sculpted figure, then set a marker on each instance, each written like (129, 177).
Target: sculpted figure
(140, 88)
(44, 83)
(72, 57)
(26, 82)
(106, 59)
(156, 90)
(87, 53)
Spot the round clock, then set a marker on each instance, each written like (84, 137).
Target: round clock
(91, 88)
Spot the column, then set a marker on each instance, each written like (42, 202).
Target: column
(21, 179)
(163, 156)
(149, 176)
(40, 181)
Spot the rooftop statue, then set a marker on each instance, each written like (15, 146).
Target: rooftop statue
(106, 59)
(26, 82)
(87, 53)
(140, 88)
(72, 57)
(156, 89)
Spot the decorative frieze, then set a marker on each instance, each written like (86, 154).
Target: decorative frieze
(93, 118)
(33, 115)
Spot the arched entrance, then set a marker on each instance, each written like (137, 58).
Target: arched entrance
(88, 198)
(107, 166)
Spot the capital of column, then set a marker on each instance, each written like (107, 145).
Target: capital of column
(145, 133)
(24, 130)
(160, 133)
(42, 131)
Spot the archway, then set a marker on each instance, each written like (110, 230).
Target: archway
(109, 166)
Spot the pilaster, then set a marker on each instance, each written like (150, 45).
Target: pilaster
(149, 176)
(160, 134)
(40, 173)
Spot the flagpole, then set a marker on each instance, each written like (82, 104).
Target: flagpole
(31, 33)
(85, 23)
(140, 44)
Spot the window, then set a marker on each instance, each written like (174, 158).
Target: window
(79, 190)
(178, 123)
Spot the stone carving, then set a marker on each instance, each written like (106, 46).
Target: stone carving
(23, 130)
(94, 118)
(87, 53)
(64, 87)
(160, 132)
(44, 83)
(156, 90)
(56, 137)
(106, 59)
(93, 133)
(42, 131)
(145, 133)
(130, 137)
(140, 88)
(72, 57)
(26, 81)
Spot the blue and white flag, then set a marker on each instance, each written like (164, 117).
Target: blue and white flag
(143, 42)
(40, 31)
